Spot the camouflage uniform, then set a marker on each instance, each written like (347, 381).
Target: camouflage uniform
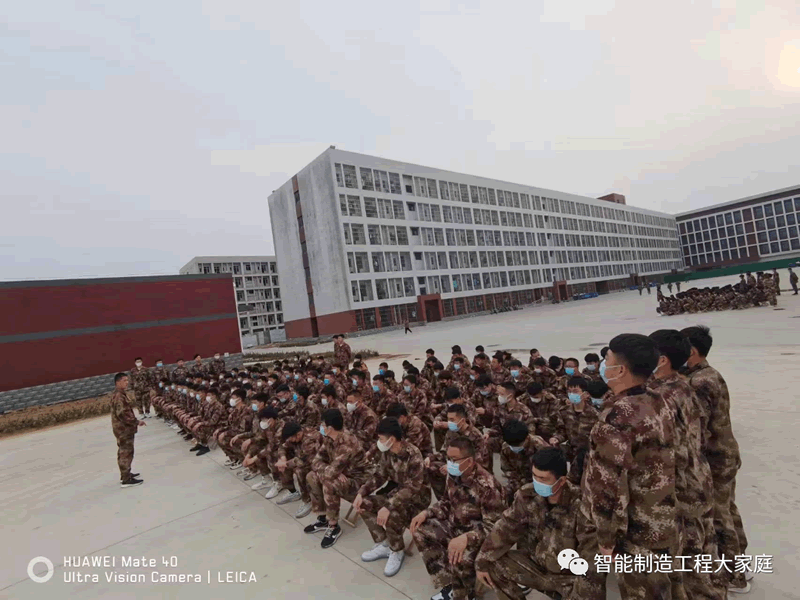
(514, 410)
(500, 375)
(540, 531)
(239, 421)
(214, 415)
(577, 425)
(694, 489)
(438, 460)
(142, 384)
(179, 374)
(299, 459)
(722, 452)
(382, 400)
(416, 403)
(124, 425)
(546, 413)
(362, 423)
(410, 496)
(417, 433)
(516, 466)
(197, 369)
(591, 375)
(470, 506)
(465, 365)
(547, 377)
(629, 501)
(216, 366)
(304, 412)
(267, 449)
(345, 457)
(343, 354)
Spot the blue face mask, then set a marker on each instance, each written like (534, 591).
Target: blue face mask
(472, 377)
(457, 367)
(375, 388)
(282, 399)
(545, 491)
(159, 364)
(295, 397)
(569, 371)
(453, 469)
(297, 377)
(598, 402)
(484, 392)
(574, 398)
(381, 372)
(326, 381)
(322, 430)
(407, 389)
(355, 382)
(452, 426)
(515, 373)
(603, 372)
(516, 449)
(591, 367)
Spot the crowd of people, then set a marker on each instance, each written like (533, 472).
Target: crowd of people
(751, 291)
(631, 455)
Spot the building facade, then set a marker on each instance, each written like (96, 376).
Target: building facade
(744, 231)
(257, 291)
(364, 242)
(62, 330)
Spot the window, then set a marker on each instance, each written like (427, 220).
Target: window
(347, 239)
(473, 194)
(378, 263)
(339, 178)
(374, 234)
(381, 181)
(370, 208)
(382, 289)
(408, 183)
(397, 205)
(464, 192)
(385, 209)
(366, 179)
(365, 290)
(447, 214)
(420, 187)
(358, 234)
(435, 213)
(350, 177)
(354, 206)
(438, 236)
(343, 204)
(467, 216)
(402, 236)
(361, 262)
(394, 183)
(444, 190)
(432, 189)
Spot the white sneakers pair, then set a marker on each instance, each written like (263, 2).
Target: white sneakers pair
(265, 481)
(382, 550)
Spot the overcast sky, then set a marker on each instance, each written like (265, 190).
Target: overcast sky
(135, 136)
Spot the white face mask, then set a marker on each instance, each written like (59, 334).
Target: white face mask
(138, 363)
(310, 379)
(216, 356)
(232, 402)
(263, 424)
(536, 400)
(335, 371)
(384, 447)
(209, 399)
(351, 407)
(260, 383)
(537, 370)
(270, 382)
(324, 402)
(502, 400)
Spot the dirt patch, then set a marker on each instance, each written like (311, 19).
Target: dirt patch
(39, 417)
(254, 357)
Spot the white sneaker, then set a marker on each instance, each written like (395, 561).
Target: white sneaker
(378, 552)
(748, 575)
(273, 491)
(741, 590)
(287, 497)
(303, 511)
(235, 466)
(228, 462)
(394, 563)
(260, 484)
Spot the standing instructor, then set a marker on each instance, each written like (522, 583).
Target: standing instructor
(124, 425)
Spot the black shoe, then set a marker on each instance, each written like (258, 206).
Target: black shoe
(188, 436)
(446, 593)
(195, 448)
(331, 535)
(203, 450)
(130, 482)
(134, 475)
(320, 525)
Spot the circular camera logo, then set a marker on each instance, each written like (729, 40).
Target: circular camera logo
(569, 559)
(40, 578)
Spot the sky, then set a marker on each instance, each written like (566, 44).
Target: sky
(138, 135)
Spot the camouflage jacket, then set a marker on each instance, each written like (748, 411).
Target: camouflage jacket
(240, 418)
(465, 366)
(301, 455)
(591, 375)
(546, 376)
(416, 403)
(516, 466)
(342, 456)
(482, 454)
(720, 446)
(179, 374)
(268, 443)
(407, 470)
(418, 434)
(629, 476)
(215, 414)
(159, 373)
(304, 412)
(546, 413)
(505, 413)
(472, 416)
(123, 420)
(500, 375)
(216, 366)
(197, 369)
(362, 423)
(342, 353)
(382, 400)
(471, 504)
(539, 529)
(577, 425)
(141, 379)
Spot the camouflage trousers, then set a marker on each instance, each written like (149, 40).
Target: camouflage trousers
(327, 494)
(142, 400)
(224, 437)
(698, 537)
(432, 538)
(731, 539)
(438, 438)
(436, 479)
(399, 518)
(125, 455)
(517, 568)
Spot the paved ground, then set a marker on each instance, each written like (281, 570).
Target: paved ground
(59, 495)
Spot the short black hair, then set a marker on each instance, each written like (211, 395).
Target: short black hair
(329, 390)
(356, 373)
(457, 409)
(388, 374)
(597, 389)
(379, 377)
(456, 349)
(577, 381)
(452, 393)
(635, 351)
(483, 381)
(137, 358)
(333, 418)
(554, 362)
(261, 398)
(464, 444)
(514, 432)
(515, 363)
(353, 393)
(674, 345)
(478, 349)
(604, 351)
(196, 355)
(540, 362)
(268, 413)
(412, 379)
(481, 356)
(240, 393)
(591, 357)
(458, 359)
(397, 410)
(572, 359)
(119, 376)
(534, 388)
(302, 391)
(282, 388)
(509, 386)
(438, 365)
(390, 426)
(699, 337)
(551, 460)
(290, 428)
(430, 351)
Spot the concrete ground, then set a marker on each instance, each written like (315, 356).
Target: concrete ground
(59, 495)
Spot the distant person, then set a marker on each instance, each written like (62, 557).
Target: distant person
(776, 279)
(142, 382)
(678, 286)
(793, 280)
(341, 351)
(408, 329)
(669, 287)
(124, 424)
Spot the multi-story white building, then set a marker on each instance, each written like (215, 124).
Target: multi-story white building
(365, 242)
(258, 293)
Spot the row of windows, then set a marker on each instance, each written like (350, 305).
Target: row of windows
(237, 268)
(769, 209)
(250, 282)
(259, 321)
(261, 307)
(390, 183)
(268, 294)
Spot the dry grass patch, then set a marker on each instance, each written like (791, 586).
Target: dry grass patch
(39, 417)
